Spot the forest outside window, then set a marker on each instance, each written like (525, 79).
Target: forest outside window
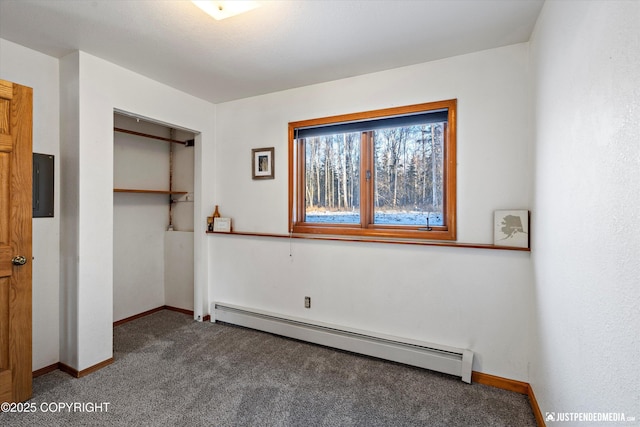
(386, 173)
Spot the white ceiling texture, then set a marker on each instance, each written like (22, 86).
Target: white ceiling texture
(278, 46)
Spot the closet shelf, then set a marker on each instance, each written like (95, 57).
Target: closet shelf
(188, 143)
(129, 190)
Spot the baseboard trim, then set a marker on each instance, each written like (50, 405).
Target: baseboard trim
(138, 316)
(536, 409)
(185, 311)
(499, 382)
(91, 369)
(155, 310)
(179, 310)
(45, 370)
(511, 385)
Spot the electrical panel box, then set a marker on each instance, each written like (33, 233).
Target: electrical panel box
(42, 185)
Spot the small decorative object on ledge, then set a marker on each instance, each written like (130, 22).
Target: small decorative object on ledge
(511, 228)
(262, 163)
(221, 225)
(212, 218)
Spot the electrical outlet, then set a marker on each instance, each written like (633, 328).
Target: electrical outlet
(307, 302)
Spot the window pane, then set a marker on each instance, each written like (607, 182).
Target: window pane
(332, 177)
(409, 168)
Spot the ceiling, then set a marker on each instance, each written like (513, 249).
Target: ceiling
(280, 45)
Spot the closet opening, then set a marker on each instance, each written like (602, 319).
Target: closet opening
(153, 214)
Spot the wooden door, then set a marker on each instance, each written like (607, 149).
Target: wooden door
(15, 241)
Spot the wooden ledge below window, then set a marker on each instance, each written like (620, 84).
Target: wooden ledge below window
(374, 240)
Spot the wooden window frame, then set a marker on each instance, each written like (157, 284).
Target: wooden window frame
(367, 228)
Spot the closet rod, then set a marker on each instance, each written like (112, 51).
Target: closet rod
(146, 135)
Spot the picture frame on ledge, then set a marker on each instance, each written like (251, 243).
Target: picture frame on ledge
(222, 225)
(262, 163)
(511, 228)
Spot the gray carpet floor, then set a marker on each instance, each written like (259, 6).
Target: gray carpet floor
(172, 371)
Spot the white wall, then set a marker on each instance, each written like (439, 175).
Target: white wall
(178, 269)
(139, 224)
(586, 243)
(478, 299)
(140, 162)
(40, 72)
(69, 223)
(103, 87)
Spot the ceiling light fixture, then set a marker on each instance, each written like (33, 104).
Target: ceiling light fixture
(224, 9)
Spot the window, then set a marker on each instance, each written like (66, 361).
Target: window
(387, 173)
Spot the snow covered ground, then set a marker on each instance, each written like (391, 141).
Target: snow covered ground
(388, 217)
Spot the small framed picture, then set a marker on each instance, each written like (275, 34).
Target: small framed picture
(511, 228)
(262, 163)
(222, 225)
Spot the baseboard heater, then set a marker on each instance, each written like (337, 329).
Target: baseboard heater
(440, 358)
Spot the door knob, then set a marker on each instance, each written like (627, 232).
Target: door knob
(19, 260)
